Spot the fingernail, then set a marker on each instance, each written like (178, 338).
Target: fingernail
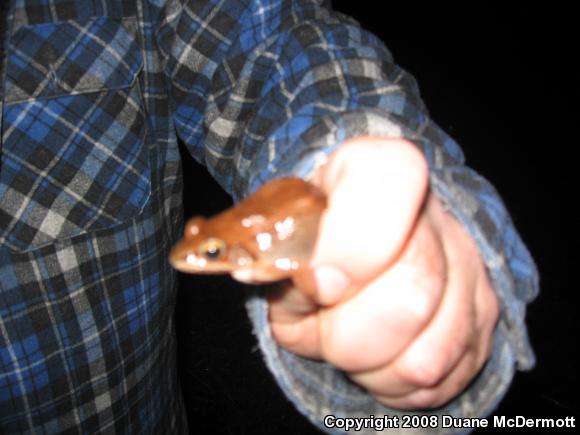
(331, 283)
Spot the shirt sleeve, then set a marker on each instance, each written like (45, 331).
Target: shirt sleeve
(262, 89)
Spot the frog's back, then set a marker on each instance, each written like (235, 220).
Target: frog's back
(283, 200)
(282, 197)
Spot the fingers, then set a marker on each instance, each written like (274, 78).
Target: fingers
(294, 321)
(375, 189)
(300, 336)
(435, 396)
(397, 306)
(427, 394)
(454, 347)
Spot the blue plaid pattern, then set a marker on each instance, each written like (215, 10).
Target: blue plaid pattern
(94, 95)
(87, 143)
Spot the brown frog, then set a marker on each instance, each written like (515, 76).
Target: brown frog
(267, 237)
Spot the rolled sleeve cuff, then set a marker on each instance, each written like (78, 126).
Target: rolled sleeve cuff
(318, 390)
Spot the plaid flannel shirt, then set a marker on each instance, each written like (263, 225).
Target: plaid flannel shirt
(94, 96)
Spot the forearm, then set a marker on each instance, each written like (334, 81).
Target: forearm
(284, 88)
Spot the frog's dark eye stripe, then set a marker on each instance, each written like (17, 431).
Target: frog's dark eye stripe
(212, 249)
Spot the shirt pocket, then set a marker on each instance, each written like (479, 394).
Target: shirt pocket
(74, 157)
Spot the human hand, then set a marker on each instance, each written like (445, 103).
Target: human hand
(399, 297)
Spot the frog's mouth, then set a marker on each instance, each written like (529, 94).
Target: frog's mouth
(192, 263)
(184, 264)
(245, 275)
(234, 259)
(260, 274)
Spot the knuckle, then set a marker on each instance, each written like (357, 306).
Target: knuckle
(422, 302)
(423, 374)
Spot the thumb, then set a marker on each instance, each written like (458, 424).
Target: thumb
(375, 188)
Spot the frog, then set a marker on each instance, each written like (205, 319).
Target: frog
(267, 237)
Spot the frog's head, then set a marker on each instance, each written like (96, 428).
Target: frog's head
(205, 251)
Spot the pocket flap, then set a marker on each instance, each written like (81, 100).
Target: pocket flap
(74, 155)
(71, 57)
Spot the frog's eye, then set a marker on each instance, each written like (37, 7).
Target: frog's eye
(212, 249)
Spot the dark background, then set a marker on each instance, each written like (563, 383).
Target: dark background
(509, 95)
